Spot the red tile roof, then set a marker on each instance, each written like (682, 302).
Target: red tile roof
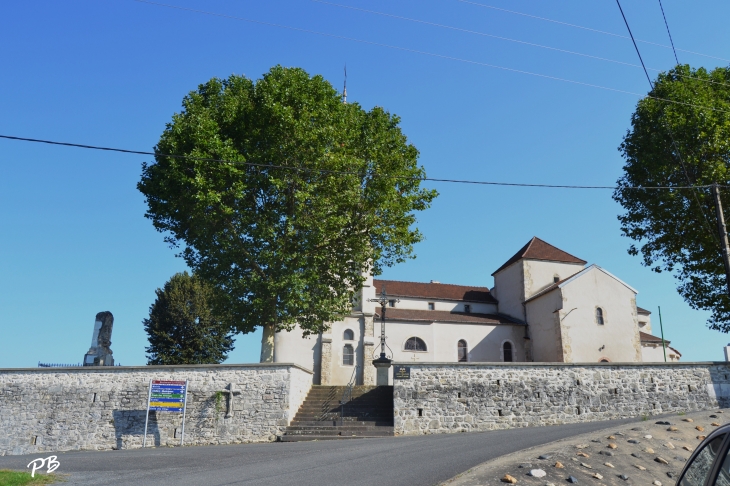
(536, 249)
(395, 314)
(648, 338)
(436, 291)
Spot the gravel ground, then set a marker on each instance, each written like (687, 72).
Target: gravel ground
(652, 452)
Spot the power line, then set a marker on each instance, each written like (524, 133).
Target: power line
(339, 172)
(426, 53)
(588, 29)
(668, 33)
(669, 129)
(508, 39)
(635, 46)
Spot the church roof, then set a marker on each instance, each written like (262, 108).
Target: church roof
(642, 311)
(436, 291)
(536, 249)
(648, 338)
(412, 315)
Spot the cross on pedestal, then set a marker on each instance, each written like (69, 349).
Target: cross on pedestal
(231, 392)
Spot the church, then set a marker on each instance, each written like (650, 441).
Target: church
(546, 305)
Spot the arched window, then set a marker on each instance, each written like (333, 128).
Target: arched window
(599, 315)
(348, 335)
(507, 351)
(415, 344)
(463, 351)
(348, 355)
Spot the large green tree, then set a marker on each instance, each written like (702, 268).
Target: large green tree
(184, 327)
(310, 194)
(680, 136)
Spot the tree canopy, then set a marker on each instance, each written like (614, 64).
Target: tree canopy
(307, 195)
(183, 327)
(680, 136)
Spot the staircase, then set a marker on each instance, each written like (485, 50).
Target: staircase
(369, 413)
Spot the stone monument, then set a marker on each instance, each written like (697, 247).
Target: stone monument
(100, 354)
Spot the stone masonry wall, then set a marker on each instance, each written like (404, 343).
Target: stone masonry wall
(61, 409)
(450, 397)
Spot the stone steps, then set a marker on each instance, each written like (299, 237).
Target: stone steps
(369, 413)
(346, 421)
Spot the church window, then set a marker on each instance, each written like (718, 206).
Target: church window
(556, 279)
(463, 351)
(599, 315)
(348, 355)
(391, 303)
(415, 344)
(507, 351)
(467, 308)
(348, 335)
(431, 306)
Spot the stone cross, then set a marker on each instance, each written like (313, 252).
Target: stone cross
(414, 358)
(230, 391)
(100, 354)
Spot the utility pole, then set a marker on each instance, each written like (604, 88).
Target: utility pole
(723, 233)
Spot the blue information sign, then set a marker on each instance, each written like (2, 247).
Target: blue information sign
(166, 396)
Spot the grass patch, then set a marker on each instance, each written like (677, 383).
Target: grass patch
(681, 412)
(21, 478)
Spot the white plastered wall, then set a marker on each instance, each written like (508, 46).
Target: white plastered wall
(293, 347)
(341, 373)
(444, 305)
(525, 278)
(644, 323)
(539, 274)
(509, 290)
(582, 337)
(543, 317)
(654, 353)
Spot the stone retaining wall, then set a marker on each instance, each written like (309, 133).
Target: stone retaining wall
(61, 409)
(464, 397)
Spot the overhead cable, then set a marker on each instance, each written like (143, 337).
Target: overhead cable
(677, 152)
(508, 39)
(588, 29)
(339, 172)
(666, 24)
(426, 53)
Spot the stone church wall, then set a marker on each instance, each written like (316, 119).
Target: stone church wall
(465, 397)
(98, 408)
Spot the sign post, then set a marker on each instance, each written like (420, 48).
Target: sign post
(167, 396)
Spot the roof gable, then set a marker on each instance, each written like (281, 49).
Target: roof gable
(441, 291)
(576, 276)
(537, 249)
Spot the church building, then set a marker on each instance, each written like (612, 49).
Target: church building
(546, 305)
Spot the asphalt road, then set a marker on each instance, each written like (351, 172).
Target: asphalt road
(392, 461)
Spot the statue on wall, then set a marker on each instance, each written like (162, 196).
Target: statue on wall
(100, 353)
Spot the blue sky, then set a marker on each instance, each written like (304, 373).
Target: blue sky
(73, 237)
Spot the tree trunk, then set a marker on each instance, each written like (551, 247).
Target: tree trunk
(267, 343)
